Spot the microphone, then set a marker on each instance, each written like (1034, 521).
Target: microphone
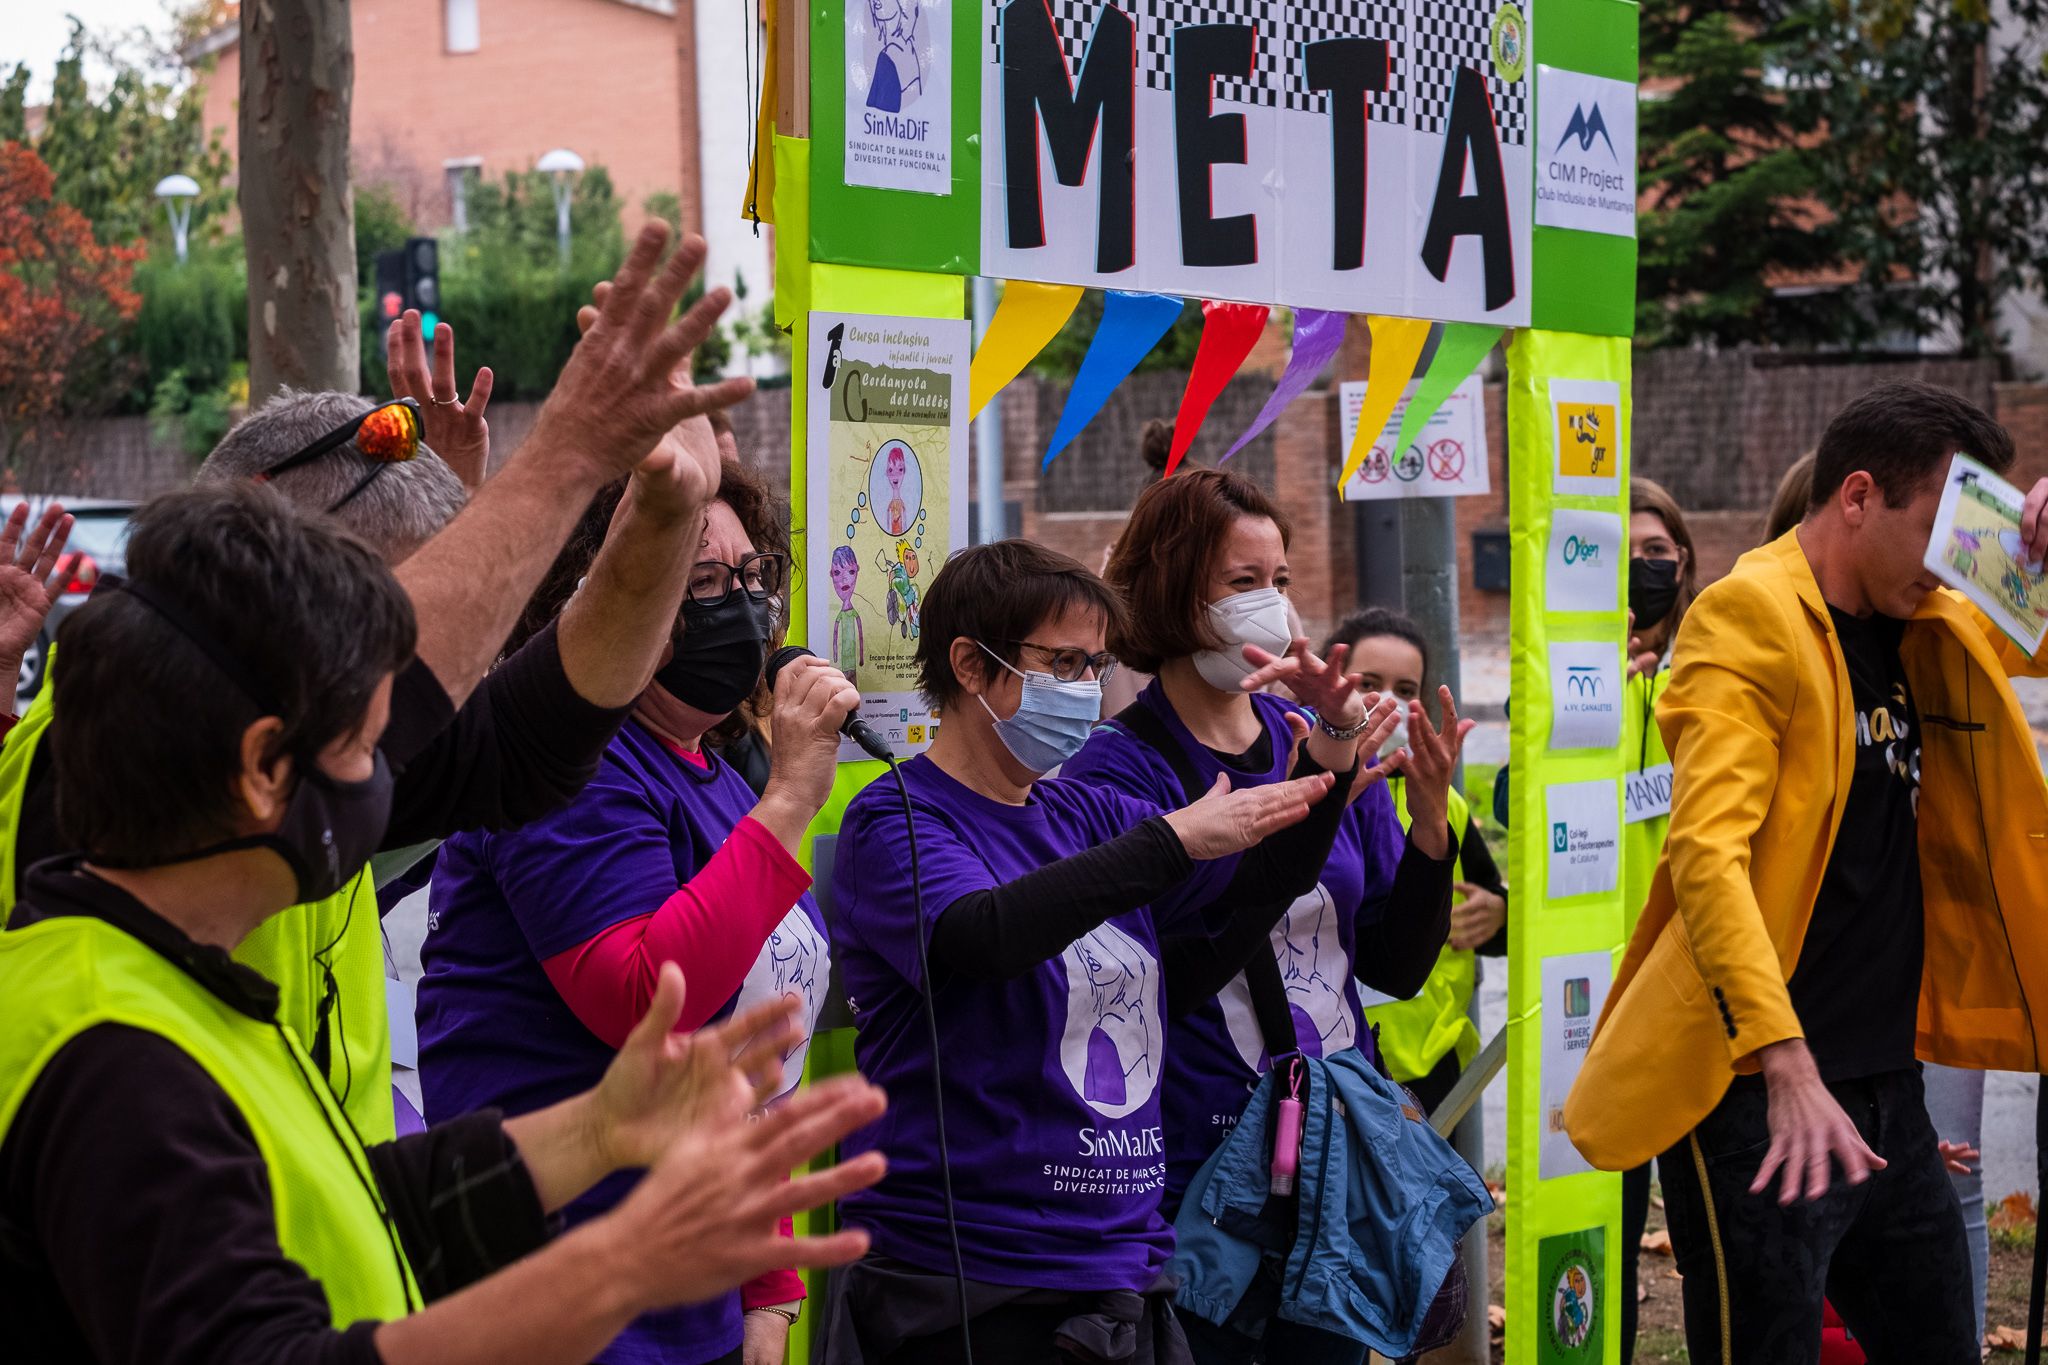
(853, 727)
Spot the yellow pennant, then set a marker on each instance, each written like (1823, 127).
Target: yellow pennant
(1396, 346)
(1030, 315)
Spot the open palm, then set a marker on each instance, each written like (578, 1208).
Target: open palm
(31, 571)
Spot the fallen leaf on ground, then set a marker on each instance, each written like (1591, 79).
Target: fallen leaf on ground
(1672, 1274)
(1657, 1242)
(1642, 1292)
(1496, 1317)
(2006, 1339)
(2014, 1212)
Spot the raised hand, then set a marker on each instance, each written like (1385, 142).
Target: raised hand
(1223, 821)
(32, 571)
(1430, 761)
(455, 428)
(704, 1218)
(626, 384)
(1322, 685)
(664, 1083)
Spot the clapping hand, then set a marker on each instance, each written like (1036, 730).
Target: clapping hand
(32, 571)
(663, 1083)
(1429, 762)
(1322, 685)
(454, 428)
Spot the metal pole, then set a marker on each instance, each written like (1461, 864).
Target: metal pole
(562, 215)
(988, 433)
(1429, 592)
(181, 224)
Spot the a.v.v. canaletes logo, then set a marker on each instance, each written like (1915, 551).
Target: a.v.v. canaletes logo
(1582, 681)
(1584, 128)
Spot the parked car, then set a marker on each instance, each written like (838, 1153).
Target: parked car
(99, 534)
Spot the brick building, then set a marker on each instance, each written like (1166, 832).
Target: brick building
(446, 91)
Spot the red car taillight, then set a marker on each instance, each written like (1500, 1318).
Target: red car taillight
(82, 575)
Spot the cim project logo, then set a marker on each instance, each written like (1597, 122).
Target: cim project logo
(1584, 128)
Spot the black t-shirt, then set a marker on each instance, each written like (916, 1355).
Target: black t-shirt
(1857, 984)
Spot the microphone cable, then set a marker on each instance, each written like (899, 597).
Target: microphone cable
(931, 1021)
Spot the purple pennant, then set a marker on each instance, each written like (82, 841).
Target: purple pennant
(1317, 335)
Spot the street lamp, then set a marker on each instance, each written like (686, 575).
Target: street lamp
(178, 192)
(561, 163)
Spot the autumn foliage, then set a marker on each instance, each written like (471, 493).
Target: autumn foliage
(64, 301)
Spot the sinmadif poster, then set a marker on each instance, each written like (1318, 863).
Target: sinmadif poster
(887, 502)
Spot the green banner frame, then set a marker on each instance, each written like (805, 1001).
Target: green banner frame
(1585, 1206)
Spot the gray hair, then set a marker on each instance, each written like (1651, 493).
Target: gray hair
(402, 509)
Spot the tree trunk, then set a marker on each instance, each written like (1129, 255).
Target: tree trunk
(690, 169)
(298, 223)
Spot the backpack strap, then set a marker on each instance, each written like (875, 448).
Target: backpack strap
(1262, 973)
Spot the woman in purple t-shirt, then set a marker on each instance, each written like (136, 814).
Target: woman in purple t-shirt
(1203, 566)
(544, 942)
(1031, 908)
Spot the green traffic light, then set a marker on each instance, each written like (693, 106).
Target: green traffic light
(428, 322)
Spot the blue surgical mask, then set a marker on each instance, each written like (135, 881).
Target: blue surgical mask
(1053, 718)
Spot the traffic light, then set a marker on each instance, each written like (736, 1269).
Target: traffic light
(410, 278)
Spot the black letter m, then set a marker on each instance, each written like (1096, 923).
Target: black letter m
(1038, 87)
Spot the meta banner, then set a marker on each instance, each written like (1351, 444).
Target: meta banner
(1369, 156)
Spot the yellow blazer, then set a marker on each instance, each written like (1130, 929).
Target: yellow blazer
(1759, 720)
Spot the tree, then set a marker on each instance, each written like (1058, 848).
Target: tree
(1935, 117)
(107, 149)
(64, 299)
(1728, 176)
(298, 72)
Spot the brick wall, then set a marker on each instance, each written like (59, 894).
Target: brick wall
(530, 86)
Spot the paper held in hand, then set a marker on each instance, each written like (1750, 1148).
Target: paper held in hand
(1976, 550)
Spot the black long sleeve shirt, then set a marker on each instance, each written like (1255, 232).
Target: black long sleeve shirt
(523, 745)
(136, 1219)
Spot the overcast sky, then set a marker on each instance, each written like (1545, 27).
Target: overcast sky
(35, 31)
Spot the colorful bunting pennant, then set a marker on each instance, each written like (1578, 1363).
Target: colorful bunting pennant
(1459, 350)
(1396, 346)
(1030, 315)
(1131, 326)
(1229, 331)
(1317, 335)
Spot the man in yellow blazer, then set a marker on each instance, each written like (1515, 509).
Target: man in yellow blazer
(1855, 876)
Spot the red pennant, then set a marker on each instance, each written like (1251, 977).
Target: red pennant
(1229, 331)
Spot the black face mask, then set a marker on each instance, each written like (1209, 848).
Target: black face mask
(718, 661)
(329, 831)
(1652, 590)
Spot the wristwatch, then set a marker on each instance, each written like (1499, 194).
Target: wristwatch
(1345, 735)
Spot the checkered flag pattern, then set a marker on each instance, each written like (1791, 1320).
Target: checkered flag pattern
(1445, 35)
(1449, 34)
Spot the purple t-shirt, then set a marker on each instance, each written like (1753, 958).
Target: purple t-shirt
(1051, 1079)
(493, 1030)
(1218, 1054)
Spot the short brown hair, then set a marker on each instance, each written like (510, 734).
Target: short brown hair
(1902, 433)
(1647, 495)
(997, 594)
(1161, 562)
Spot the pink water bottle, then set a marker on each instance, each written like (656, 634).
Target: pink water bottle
(1287, 1133)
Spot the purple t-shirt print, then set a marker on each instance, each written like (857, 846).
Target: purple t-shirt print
(1114, 1041)
(1052, 1078)
(1218, 1052)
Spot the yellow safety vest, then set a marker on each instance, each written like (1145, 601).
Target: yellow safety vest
(1416, 1034)
(63, 976)
(343, 932)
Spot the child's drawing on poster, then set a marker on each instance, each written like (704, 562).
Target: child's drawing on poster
(887, 407)
(1976, 550)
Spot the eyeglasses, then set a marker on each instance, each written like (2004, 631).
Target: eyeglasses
(1069, 665)
(761, 577)
(386, 435)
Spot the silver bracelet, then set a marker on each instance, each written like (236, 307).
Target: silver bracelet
(1347, 735)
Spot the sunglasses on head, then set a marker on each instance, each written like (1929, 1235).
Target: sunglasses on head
(386, 435)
